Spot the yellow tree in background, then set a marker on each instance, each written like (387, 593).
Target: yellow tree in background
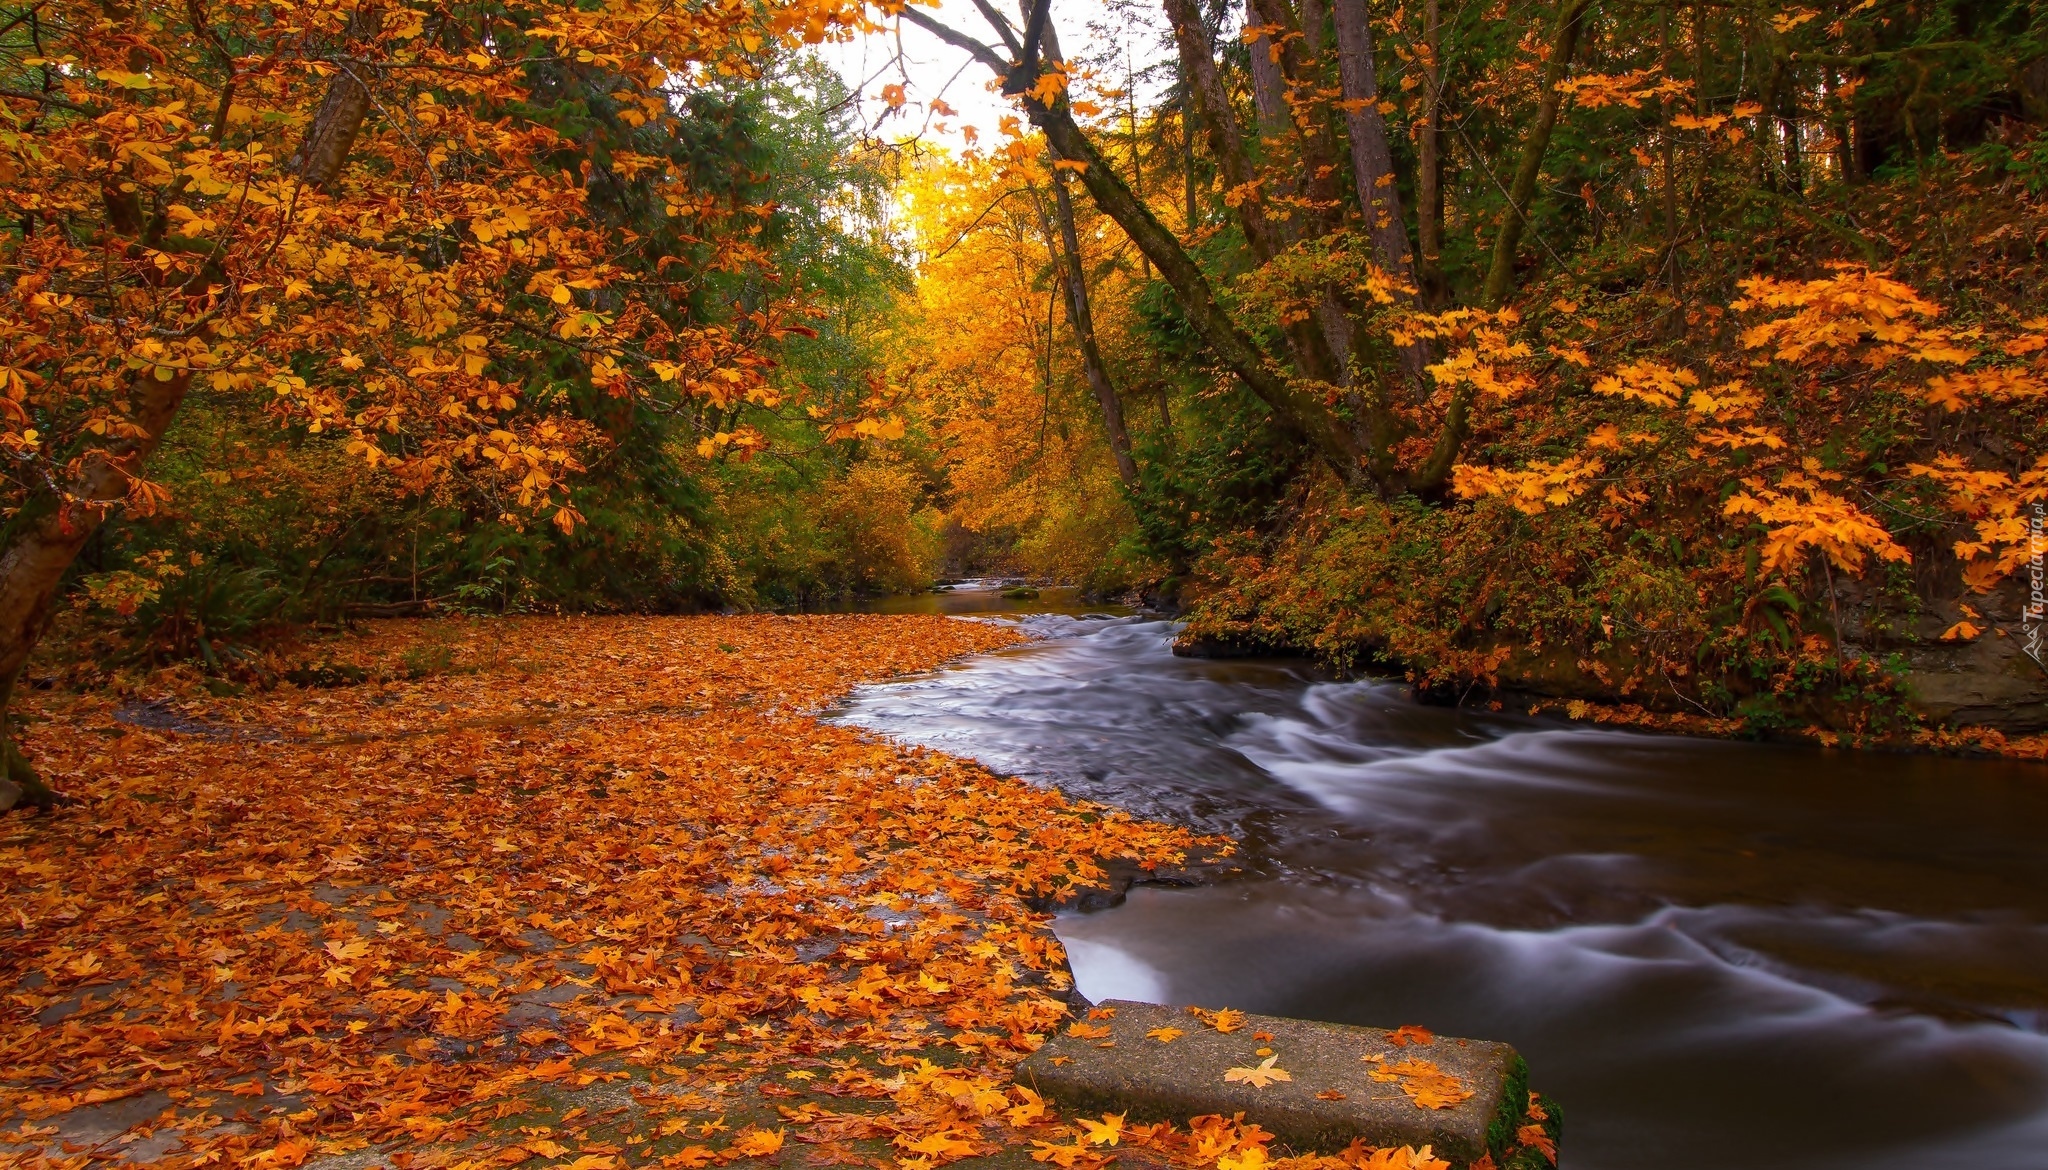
(991, 350)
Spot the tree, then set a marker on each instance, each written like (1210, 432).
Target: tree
(411, 230)
(1321, 384)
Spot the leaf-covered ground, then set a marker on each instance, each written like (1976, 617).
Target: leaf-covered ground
(595, 893)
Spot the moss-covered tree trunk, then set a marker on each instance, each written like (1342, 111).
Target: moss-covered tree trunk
(19, 783)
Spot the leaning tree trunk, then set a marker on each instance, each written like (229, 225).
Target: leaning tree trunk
(46, 544)
(1294, 409)
(49, 533)
(1564, 46)
(1084, 332)
(1079, 313)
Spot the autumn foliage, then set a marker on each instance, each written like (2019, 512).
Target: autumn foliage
(191, 210)
(1554, 357)
(522, 860)
(593, 893)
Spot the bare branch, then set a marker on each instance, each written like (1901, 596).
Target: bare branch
(1003, 28)
(958, 40)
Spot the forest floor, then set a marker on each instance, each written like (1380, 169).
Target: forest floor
(594, 893)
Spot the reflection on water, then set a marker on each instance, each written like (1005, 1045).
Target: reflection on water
(1714, 954)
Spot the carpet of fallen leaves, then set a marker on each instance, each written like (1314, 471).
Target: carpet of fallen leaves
(589, 893)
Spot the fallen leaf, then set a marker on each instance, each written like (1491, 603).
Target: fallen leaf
(1259, 1077)
(756, 1143)
(1106, 1132)
(1534, 1137)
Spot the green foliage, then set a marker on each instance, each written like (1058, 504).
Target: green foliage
(1227, 476)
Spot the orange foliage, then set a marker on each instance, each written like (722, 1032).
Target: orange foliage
(406, 910)
(1855, 319)
(172, 229)
(986, 346)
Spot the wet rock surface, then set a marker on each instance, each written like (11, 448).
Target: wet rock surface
(1330, 1098)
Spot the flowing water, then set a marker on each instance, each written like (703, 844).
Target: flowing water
(1712, 954)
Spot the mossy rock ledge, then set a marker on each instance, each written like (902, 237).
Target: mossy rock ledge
(1330, 1099)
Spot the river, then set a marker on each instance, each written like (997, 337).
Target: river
(1713, 954)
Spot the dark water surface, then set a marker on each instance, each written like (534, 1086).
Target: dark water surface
(981, 596)
(1713, 954)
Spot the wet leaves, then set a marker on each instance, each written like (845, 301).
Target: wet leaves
(594, 897)
(418, 912)
(1410, 1034)
(1225, 1020)
(1428, 1086)
(1107, 1132)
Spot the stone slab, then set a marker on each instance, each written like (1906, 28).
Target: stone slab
(1125, 1071)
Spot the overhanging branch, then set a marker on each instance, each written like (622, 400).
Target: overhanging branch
(958, 40)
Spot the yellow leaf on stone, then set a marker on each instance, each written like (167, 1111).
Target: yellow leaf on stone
(1259, 1077)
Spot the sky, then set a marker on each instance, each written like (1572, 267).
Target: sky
(929, 68)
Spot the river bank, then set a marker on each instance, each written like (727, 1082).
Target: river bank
(1493, 609)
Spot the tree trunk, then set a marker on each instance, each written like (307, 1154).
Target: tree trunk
(1226, 142)
(1372, 160)
(341, 114)
(1429, 174)
(1316, 148)
(1314, 16)
(1564, 44)
(1310, 350)
(18, 778)
(1301, 74)
(46, 539)
(1372, 172)
(1269, 89)
(1293, 409)
(1084, 332)
(44, 546)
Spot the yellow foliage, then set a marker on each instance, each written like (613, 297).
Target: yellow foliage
(1646, 381)
(1543, 485)
(989, 359)
(1805, 517)
(1857, 310)
(1999, 507)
